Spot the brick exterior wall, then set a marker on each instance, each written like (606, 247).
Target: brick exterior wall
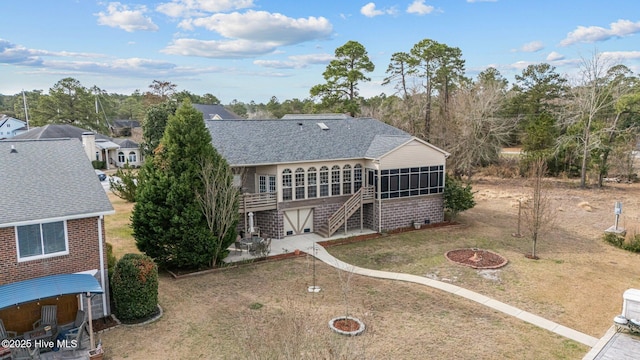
(402, 212)
(83, 256)
(396, 213)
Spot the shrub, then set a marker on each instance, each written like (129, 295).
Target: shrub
(632, 244)
(457, 197)
(98, 164)
(135, 287)
(614, 239)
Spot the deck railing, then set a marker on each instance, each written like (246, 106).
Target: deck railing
(340, 217)
(258, 202)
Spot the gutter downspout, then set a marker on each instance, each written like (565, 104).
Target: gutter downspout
(102, 271)
(379, 188)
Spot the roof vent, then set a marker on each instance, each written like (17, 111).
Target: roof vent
(323, 126)
(13, 149)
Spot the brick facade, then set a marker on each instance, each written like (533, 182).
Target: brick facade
(402, 212)
(84, 255)
(396, 214)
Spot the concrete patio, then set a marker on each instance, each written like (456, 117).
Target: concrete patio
(287, 245)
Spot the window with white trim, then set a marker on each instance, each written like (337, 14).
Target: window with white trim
(357, 177)
(266, 183)
(312, 185)
(121, 157)
(335, 180)
(37, 241)
(324, 181)
(346, 180)
(132, 156)
(299, 183)
(286, 185)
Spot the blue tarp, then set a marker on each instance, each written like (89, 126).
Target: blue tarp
(47, 286)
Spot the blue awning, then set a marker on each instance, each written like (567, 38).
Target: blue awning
(47, 286)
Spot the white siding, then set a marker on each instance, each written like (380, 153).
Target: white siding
(412, 154)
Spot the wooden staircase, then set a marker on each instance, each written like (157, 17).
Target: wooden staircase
(339, 218)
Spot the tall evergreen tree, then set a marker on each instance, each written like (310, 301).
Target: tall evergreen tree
(168, 223)
(343, 74)
(154, 125)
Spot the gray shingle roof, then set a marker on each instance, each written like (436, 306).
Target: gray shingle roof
(253, 142)
(56, 131)
(47, 179)
(209, 111)
(126, 143)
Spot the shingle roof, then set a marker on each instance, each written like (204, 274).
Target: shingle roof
(122, 123)
(45, 179)
(253, 142)
(126, 143)
(209, 112)
(56, 131)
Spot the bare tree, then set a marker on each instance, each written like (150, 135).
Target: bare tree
(591, 110)
(539, 215)
(478, 130)
(219, 202)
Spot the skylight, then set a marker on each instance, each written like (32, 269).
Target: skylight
(323, 126)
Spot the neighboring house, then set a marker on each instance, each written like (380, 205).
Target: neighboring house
(122, 127)
(52, 235)
(305, 174)
(215, 112)
(10, 127)
(114, 152)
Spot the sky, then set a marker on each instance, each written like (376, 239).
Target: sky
(251, 50)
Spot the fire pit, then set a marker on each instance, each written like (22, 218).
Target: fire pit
(476, 258)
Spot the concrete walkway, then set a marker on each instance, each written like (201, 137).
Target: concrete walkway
(307, 243)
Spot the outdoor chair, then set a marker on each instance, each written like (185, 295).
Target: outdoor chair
(76, 334)
(239, 246)
(6, 334)
(24, 353)
(48, 317)
(80, 318)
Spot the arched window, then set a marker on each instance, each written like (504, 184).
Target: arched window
(312, 183)
(324, 181)
(121, 157)
(346, 179)
(357, 177)
(299, 183)
(286, 184)
(132, 156)
(335, 180)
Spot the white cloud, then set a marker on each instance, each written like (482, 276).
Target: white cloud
(120, 16)
(621, 56)
(554, 56)
(188, 8)
(592, 34)
(419, 7)
(370, 10)
(532, 46)
(219, 49)
(17, 54)
(263, 26)
(296, 61)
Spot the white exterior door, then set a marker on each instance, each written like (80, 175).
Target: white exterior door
(298, 221)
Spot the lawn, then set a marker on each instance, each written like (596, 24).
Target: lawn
(263, 311)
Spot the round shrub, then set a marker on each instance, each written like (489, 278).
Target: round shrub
(135, 287)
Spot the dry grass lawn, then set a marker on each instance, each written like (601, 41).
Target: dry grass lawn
(262, 311)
